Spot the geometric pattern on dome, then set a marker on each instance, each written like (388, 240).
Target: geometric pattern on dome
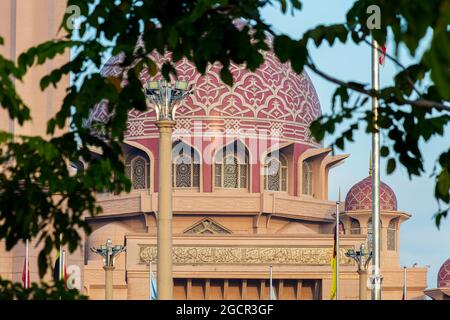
(443, 277)
(273, 99)
(359, 197)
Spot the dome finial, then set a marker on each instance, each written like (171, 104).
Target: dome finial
(370, 163)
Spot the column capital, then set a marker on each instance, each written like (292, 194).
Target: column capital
(165, 123)
(108, 268)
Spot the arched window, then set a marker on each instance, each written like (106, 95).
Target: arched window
(186, 166)
(275, 172)
(231, 167)
(355, 227)
(392, 234)
(137, 169)
(307, 178)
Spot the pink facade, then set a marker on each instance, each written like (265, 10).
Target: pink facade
(267, 110)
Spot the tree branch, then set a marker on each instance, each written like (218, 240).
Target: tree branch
(421, 103)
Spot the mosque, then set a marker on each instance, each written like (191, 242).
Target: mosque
(250, 191)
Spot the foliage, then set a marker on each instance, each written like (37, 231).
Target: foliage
(15, 291)
(41, 198)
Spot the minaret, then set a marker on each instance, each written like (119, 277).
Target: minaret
(24, 24)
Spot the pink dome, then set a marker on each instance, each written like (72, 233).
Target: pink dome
(443, 277)
(359, 197)
(273, 99)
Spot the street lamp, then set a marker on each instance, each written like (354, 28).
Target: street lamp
(164, 97)
(362, 258)
(109, 253)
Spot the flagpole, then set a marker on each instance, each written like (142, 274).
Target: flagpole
(337, 250)
(26, 263)
(376, 275)
(60, 258)
(404, 283)
(270, 283)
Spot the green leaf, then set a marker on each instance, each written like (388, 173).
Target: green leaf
(391, 164)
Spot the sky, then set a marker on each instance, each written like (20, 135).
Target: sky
(420, 241)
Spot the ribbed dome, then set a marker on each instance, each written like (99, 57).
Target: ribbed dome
(443, 277)
(359, 197)
(274, 99)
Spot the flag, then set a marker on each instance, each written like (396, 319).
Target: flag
(273, 294)
(56, 274)
(153, 288)
(65, 268)
(24, 274)
(382, 54)
(334, 267)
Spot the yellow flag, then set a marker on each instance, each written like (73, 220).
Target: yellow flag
(334, 267)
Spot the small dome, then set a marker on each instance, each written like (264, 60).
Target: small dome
(359, 197)
(443, 277)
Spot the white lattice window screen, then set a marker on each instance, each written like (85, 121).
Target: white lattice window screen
(355, 227)
(185, 173)
(392, 235)
(231, 172)
(307, 179)
(137, 169)
(275, 173)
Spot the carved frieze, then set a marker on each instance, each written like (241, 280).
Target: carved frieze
(246, 255)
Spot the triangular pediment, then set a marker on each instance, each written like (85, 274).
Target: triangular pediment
(207, 226)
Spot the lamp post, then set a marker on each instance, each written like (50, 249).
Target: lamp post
(376, 277)
(164, 96)
(109, 253)
(362, 258)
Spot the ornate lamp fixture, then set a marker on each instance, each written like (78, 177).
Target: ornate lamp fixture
(109, 253)
(362, 258)
(164, 96)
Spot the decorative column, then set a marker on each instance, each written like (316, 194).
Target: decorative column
(362, 284)
(108, 282)
(164, 96)
(164, 235)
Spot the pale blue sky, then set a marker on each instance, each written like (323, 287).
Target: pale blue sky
(420, 240)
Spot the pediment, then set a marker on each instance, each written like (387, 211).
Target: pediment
(207, 226)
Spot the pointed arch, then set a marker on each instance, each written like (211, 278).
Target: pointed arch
(129, 146)
(392, 234)
(275, 172)
(307, 178)
(355, 226)
(137, 167)
(186, 172)
(231, 166)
